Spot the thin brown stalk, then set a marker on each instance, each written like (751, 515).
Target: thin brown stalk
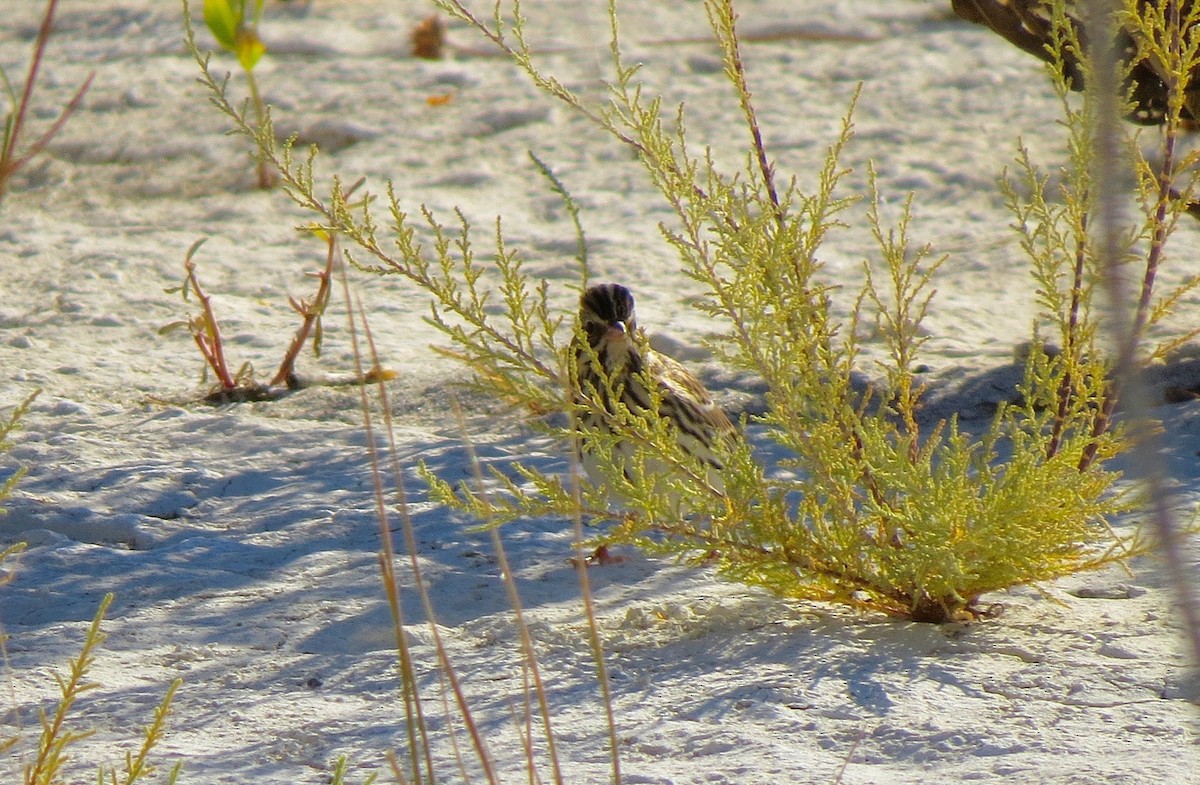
(446, 677)
(589, 605)
(1158, 238)
(418, 733)
(1166, 180)
(514, 600)
(726, 22)
(1146, 448)
(410, 542)
(1070, 350)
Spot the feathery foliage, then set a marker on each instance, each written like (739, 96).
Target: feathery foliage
(7, 427)
(57, 736)
(874, 507)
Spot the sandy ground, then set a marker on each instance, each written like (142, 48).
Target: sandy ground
(241, 542)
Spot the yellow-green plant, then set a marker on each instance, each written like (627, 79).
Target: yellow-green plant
(235, 26)
(1054, 224)
(879, 508)
(57, 736)
(7, 427)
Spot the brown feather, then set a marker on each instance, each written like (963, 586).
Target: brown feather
(607, 317)
(1027, 25)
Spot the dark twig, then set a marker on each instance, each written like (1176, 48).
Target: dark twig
(737, 73)
(1070, 350)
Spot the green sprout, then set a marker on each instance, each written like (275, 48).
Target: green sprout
(226, 19)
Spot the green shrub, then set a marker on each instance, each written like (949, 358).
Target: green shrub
(879, 509)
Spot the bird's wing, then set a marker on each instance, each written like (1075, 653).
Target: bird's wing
(1027, 25)
(680, 389)
(1023, 23)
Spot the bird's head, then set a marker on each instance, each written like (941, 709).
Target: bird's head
(606, 313)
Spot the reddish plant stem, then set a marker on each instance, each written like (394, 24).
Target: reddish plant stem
(39, 49)
(311, 310)
(1158, 238)
(760, 150)
(1072, 343)
(208, 333)
(10, 162)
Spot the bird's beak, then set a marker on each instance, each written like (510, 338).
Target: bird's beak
(616, 331)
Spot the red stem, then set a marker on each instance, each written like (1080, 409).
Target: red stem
(311, 311)
(209, 340)
(9, 162)
(39, 49)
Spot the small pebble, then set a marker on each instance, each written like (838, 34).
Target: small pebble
(332, 135)
(1117, 651)
(1119, 591)
(703, 64)
(497, 120)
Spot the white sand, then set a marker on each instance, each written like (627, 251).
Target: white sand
(241, 543)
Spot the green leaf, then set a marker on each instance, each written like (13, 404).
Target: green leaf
(249, 49)
(223, 21)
